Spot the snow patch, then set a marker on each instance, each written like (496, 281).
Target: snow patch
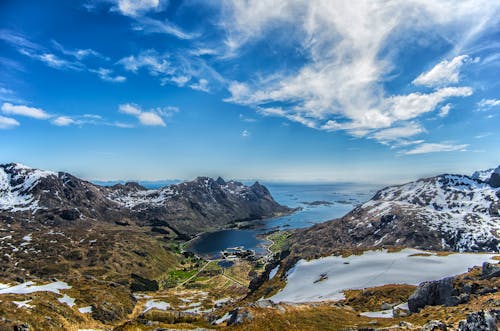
(373, 268)
(274, 272)
(85, 310)
(67, 300)
(154, 304)
(30, 287)
(22, 304)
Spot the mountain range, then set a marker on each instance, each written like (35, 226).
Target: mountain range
(186, 209)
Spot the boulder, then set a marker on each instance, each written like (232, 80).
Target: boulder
(480, 321)
(490, 270)
(439, 292)
(239, 316)
(434, 326)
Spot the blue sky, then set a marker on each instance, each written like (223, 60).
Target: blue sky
(332, 90)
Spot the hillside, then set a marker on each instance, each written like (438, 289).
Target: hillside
(443, 213)
(184, 209)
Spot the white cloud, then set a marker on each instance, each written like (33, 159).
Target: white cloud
(445, 110)
(180, 80)
(245, 133)
(150, 60)
(150, 25)
(435, 147)
(344, 43)
(63, 121)
(149, 118)
(130, 109)
(485, 104)
(106, 75)
(443, 73)
(56, 62)
(395, 133)
(123, 125)
(7, 123)
(22, 110)
(202, 85)
(177, 68)
(483, 135)
(247, 119)
(136, 7)
(410, 106)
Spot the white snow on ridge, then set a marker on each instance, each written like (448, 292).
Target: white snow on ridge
(158, 197)
(452, 204)
(18, 197)
(483, 175)
(373, 268)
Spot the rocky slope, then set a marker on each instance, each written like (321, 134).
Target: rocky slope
(185, 209)
(446, 212)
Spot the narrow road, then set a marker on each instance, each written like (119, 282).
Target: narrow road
(196, 274)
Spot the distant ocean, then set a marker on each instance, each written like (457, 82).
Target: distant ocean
(318, 203)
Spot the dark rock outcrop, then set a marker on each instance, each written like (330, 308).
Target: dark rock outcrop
(440, 292)
(480, 321)
(490, 270)
(239, 316)
(434, 326)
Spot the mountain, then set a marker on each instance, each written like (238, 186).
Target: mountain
(446, 212)
(186, 209)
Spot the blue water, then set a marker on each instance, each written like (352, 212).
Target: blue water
(343, 198)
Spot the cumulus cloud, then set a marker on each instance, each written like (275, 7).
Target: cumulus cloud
(130, 109)
(245, 133)
(201, 85)
(445, 110)
(63, 121)
(8, 123)
(344, 43)
(443, 73)
(152, 117)
(22, 110)
(436, 147)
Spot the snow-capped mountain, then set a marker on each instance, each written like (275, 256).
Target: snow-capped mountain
(16, 184)
(446, 212)
(189, 207)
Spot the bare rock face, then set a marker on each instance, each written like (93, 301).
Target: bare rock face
(185, 209)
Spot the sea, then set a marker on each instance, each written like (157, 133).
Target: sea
(317, 203)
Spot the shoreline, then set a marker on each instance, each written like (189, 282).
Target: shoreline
(265, 242)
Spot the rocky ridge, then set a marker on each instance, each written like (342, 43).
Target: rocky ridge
(443, 213)
(187, 208)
